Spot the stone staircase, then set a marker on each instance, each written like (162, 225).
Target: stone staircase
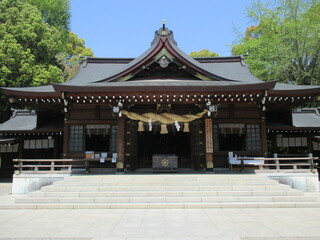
(166, 191)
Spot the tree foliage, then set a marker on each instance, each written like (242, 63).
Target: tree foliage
(204, 53)
(57, 14)
(71, 58)
(36, 47)
(36, 50)
(284, 44)
(54, 12)
(28, 46)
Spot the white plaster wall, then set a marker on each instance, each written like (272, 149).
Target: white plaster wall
(25, 183)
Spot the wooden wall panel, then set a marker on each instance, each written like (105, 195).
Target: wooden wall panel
(249, 113)
(90, 112)
(87, 114)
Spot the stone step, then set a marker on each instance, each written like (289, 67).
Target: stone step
(167, 183)
(164, 205)
(161, 177)
(167, 193)
(218, 199)
(77, 188)
(161, 181)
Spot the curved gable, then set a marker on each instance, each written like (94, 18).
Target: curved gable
(163, 60)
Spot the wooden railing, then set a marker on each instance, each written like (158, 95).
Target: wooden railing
(280, 164)
(49, 165)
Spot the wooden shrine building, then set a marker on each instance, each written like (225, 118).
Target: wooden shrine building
(128, 112)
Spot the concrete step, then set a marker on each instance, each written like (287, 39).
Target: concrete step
(165, 177)
(167, 183)
(219, 199)
(167, 193)
(164, 205)
(97, 188)
(167, 199)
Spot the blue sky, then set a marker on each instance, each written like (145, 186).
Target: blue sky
(125, 28)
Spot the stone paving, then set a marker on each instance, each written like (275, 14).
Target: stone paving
(157, 224)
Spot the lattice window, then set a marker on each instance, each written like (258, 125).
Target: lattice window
(76, 139)
(253, 137)
(38, 143)
(291, 141)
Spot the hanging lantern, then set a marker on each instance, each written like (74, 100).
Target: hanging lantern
(186, 127)
(164, 129)
(140, 126)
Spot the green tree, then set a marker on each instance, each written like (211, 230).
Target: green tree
(54, 12)
(204, 53)
(284, 43)
(71, 58)
(57, 13)
(28, 46)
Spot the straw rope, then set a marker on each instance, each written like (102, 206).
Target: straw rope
(165, 118)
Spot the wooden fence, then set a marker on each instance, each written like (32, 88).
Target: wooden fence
(49, 165)
(278, 164)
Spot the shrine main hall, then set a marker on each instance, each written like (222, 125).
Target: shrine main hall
(161, 110)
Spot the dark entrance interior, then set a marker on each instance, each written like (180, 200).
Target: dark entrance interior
(6, 165)
(177, 143)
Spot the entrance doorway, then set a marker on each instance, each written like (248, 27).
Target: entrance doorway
(176, 143)
(6, 165)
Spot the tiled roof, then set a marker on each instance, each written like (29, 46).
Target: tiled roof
(306, 119)
(21, 120)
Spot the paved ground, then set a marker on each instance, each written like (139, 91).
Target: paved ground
(215, 224)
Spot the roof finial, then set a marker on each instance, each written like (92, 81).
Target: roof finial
(164, 24)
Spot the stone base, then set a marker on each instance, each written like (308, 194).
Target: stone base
(25, 183)
(307, 182)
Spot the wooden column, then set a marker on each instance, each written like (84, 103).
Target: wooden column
(264, 137)
(264, 125)
(66, 126)
(65, 139)
(120, 144)
(55, 146)
(209, 144)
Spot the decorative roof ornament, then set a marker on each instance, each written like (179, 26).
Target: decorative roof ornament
(163, 32)
(164, 24)
(164, 61)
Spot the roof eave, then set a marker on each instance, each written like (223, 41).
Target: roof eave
(204, 88)
(14, 92)
(292, 92)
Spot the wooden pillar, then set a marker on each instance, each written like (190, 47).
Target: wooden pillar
(120, 144)
(55, 146)
(264, 137)
(66, 126)
(209, 144)
(264, 143)
(65, 139)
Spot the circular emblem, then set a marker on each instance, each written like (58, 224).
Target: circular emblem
(119, 165)
(165, 162)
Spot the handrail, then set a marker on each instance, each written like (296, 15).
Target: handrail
(42, 166)
(280, 164)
